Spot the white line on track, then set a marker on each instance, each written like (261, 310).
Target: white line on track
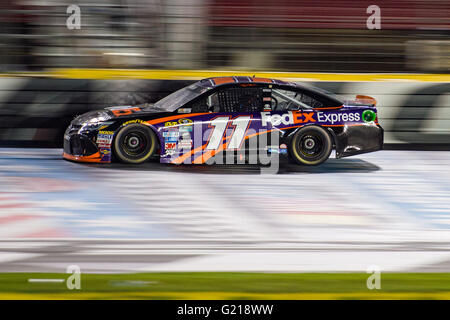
(46, 280)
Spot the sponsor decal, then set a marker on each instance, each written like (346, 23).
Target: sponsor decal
(105, 153)
(293, 117)
(185, 121)
(185, 144)
(133, 121)
(104, 145)
(170, 152)
(168, 134)
(338, 117)
(170, 145)
(288, 118)
(104, 139)
(185, 128)
(170, 123)
(271, 147)
(273, 150)
(185, 135)
(277, 149)
(369, 116)
(184, 110)
(106, 132)
(171, 139)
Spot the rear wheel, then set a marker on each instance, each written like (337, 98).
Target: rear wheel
(310, 145)
(135, 144)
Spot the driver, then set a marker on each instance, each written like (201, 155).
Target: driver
(248, 103)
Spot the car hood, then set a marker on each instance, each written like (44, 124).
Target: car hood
(112, 113)
(146, 108)
(93, 117)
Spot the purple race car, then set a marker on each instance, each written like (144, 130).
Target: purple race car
(220, 116)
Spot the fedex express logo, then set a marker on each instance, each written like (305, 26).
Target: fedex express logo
(291, 118)
(338, 117)
(287, 118)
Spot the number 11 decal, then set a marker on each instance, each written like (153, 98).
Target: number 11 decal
(220, 124)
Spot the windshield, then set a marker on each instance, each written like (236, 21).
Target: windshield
(177, 99)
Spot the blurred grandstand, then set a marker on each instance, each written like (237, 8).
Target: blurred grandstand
(321, 36)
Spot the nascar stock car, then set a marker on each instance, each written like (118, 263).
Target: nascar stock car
(218, 115)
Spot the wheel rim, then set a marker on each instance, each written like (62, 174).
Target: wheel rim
(311, 146)
(134, 144)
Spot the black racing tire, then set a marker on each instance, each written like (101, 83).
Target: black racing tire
(135, 143)
(311, 146)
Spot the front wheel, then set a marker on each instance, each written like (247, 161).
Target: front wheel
(135, 144)
(310, 145)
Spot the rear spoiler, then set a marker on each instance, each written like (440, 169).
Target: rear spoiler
(366, 99)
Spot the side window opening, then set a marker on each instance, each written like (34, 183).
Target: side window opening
(283, 100)
(251, 99)
(310, 101)
(199, 106)
(237, 99)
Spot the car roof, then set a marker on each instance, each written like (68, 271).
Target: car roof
(214, 82)
(217, 81)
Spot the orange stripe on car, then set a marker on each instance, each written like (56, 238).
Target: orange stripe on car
(223, 80)
(205, 156)
(265, 80)
(186, 155)
(180, 116)
(344, 125)
(210, 153)
(96, 157)
(329, 108)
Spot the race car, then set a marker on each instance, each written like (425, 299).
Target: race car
(220, 116)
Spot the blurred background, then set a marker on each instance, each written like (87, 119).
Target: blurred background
(288, 35)
(127, 52)
(389, 209)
